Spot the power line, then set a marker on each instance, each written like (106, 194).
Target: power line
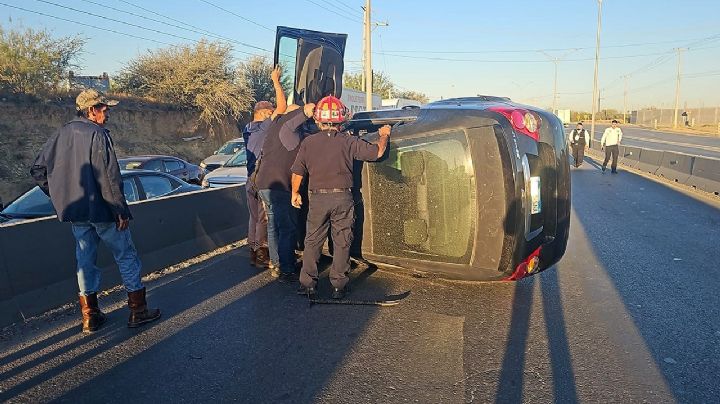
(162, 15)
(141, 27)
(197, 31)
(238, 15)
(351, 8)
(714, 37)
(84, 24)
(334, 12)
(514, 60)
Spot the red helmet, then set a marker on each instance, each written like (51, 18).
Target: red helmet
(330, 110)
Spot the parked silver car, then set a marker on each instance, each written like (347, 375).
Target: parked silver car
(234, 171)
(223, 154)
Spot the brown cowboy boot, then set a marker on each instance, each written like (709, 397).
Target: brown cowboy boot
(139, 313)
(253, 257)
(92, 317)
(262, 258)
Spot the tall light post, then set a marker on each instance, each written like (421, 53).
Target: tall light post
(677, 88)
(625, 99)
(556, 60)
(595, 80)
(368, 58)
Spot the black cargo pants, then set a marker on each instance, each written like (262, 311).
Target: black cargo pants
(611, 151)
(336, 211)
(578, 151)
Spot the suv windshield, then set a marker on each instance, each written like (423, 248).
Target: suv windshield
(238, 160)
(231, 147)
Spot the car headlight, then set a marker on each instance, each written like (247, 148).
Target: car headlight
(205, 183)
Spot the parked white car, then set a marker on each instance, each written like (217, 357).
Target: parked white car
(234, 171)
(223, 154)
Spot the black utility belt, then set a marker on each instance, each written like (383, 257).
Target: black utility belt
(329, 190)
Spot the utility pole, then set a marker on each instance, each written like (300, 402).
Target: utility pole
(677, 88)
(595, 80)
(625, 100)
(368, 58)
(556, 60)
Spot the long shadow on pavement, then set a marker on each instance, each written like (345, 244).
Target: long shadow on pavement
(657, 246)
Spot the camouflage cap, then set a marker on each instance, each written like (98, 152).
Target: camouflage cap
(90, 98)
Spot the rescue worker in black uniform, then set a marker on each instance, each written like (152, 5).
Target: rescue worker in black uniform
(327, 159)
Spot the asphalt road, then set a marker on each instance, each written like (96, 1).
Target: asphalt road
(629, 315)
(708, 146)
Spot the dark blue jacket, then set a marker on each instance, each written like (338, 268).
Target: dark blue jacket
(78, 169)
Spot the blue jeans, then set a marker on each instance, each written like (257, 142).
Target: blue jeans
(282, 228)
(87, 237)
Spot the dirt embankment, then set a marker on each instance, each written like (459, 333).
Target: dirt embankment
(137, 127)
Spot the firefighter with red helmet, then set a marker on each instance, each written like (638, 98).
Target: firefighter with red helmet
(326, 158)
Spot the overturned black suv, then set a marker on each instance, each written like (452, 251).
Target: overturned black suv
(472, 188)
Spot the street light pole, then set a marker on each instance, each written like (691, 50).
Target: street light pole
(625, 100)
(368, 58)
(595, 80)
(556, 60)
(677, 88)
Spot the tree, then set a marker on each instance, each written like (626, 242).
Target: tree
(33, 62)
(381, 83)
(199, 76)
(413, 95)
(256, 72)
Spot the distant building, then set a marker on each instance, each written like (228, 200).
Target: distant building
(397, 103)
(100, 83)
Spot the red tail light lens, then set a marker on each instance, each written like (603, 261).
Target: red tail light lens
(521, 120)
(527, 267)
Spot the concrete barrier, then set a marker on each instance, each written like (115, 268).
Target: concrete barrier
(37, 258)
(705, 175)
(676, 166)
(649, 160)
(630, 156)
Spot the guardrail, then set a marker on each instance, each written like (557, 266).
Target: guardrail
(699, 172)
(37, 258)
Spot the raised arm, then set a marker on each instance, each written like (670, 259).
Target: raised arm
(279, 93)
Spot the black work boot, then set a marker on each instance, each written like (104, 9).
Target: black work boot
(139, 313)
(339, 293)
(310, 292)
(92, 317)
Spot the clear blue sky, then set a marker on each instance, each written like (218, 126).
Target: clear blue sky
(500, 40)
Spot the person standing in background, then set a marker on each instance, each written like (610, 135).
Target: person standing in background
(610, 141)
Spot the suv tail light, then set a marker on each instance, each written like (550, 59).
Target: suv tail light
(528, 267)
(521, 120)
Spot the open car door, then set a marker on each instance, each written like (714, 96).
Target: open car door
(312, 63)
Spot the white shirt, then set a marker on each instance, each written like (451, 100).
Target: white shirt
(611, 137)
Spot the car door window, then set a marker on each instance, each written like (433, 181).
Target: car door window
(423, 199)
(153, 165)
(156, 185)
(173, 165)
(130, 190)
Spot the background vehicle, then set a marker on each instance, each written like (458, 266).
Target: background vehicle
(223, 154)
(138, 185)
(234, 171)
(174, 166)
(472, 188)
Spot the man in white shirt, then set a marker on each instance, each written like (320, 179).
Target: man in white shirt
(579, 138)
(610, 141)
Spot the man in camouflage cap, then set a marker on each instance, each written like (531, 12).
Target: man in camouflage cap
(78, 169)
